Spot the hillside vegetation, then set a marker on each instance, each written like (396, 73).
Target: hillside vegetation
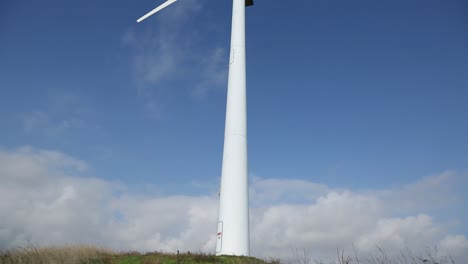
(96, 255)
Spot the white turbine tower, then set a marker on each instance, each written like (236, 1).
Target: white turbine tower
(233, 219)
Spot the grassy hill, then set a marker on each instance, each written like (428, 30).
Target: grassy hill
(94, 255)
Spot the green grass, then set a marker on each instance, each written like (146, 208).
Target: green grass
(186, 258)
(93, 255)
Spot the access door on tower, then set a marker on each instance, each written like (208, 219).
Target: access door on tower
(219, 237)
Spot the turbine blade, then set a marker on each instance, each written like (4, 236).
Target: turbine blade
(157, 9)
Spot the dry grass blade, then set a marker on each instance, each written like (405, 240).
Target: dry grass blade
(53, 255)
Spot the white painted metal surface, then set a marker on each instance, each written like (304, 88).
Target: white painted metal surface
(233, 225)
(157, 9)
(234, 195)
(219, 238)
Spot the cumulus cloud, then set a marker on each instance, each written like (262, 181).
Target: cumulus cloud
(456, 245)
(271, 191)
(46, 199)
(427, 194)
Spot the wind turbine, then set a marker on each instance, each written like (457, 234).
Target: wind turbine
(233, 218)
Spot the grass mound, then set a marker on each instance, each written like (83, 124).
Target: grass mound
(185, 258)
(94, 255)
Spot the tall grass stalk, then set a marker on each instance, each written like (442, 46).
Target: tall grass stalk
(53, 255)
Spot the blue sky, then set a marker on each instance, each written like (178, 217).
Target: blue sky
(349, 96)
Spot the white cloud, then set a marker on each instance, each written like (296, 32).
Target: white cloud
(272, 191)
(46, 201)
(61, 113)
(213, 72)
(336, 218)
(398, 233)
(427, 194)
(454, 244)
(167, 223)
(30, 167)
(164, 53)
(35, 119)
